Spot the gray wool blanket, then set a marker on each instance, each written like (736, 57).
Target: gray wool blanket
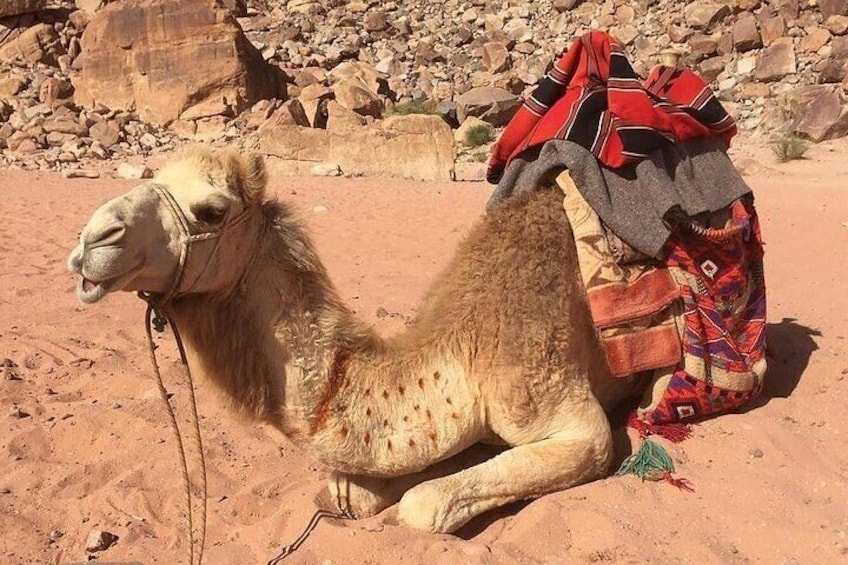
(696, 175)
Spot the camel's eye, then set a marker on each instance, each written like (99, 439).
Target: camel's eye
(208, 214)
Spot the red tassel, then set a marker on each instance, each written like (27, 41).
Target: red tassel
(681, 483)
(675, 433)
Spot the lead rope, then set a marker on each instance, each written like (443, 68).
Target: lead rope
(345, 514)
(154, 319)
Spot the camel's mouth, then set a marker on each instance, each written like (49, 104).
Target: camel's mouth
(90, 291)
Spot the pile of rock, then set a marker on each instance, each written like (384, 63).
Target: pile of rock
(41, 124)
(313, 81)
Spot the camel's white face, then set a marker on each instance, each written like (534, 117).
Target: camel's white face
(133, 242)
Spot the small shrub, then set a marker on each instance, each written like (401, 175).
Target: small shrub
(479, 135)
(789, 148)
(480, 157)
(413, 107)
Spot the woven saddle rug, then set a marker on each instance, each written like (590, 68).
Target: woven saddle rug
(693, 319)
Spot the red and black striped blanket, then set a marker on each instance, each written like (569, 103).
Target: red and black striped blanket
(593, 97)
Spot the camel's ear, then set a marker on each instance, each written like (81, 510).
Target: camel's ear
(246, 174)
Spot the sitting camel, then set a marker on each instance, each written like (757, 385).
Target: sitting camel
(503, 352)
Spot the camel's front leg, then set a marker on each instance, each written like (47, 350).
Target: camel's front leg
(363, 497)
(580, 451)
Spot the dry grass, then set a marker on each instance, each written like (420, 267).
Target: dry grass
(789, 148)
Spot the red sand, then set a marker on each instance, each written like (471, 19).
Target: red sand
(95, 450)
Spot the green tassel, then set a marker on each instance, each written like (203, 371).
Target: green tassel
(651, 462)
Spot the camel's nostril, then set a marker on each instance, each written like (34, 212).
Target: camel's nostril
(109, 235)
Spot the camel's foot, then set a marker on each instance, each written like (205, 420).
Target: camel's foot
(357, 497)
(581, 452)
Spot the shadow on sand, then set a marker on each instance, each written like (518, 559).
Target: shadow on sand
(790, 346)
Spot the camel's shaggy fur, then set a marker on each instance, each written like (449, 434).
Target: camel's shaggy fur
(503, 351)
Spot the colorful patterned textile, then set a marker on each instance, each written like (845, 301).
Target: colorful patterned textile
(694, 319)
(593, 97)
(720, 276)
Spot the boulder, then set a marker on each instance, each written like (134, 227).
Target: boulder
(835, 69)
(679, 34)
(789, 9)
(496, 57)
(746, 36)
(55, 91)
(340, 118)
(489, 103)
(98, 540)
(745, 5)
(415, 146)
(837, 25)
(105, 133)
(18, 7)
(375, 21)
(820, 113)
(170, 60)
(704, 15)
(11, 86)
(702, 46)
(711, 68)
(290, 113)
(313, 99)
(65, 123)
(815, 39)
(37, 44)
(833, 7)
(776, 61)
(366, 73)
(565, 5)
(353, 93)
(772, 29)
(326, 170)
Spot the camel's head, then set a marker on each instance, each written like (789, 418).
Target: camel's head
(190, 230)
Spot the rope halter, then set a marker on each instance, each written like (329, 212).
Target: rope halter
(187, 242)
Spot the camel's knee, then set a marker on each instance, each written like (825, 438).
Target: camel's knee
(426, 507)
(592, 434)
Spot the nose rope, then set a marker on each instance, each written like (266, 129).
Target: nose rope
(155, 319)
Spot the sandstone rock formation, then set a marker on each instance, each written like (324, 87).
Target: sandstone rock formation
(169, 60)
(414, 147)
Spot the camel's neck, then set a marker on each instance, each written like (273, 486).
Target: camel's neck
(275, 345)
(286, 351)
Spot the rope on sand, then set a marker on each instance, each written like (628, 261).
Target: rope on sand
(154, 319)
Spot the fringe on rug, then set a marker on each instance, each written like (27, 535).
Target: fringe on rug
(651, 462)
(674, 432)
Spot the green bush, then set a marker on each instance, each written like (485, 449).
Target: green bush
(789, 148)
(479, 135)
(413, 107)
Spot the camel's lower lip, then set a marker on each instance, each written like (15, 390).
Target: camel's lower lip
(90, 291)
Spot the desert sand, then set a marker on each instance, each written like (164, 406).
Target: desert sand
(86, 445)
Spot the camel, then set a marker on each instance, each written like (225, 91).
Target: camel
(503, 351)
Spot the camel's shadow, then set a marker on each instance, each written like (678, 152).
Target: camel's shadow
(790, 346)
